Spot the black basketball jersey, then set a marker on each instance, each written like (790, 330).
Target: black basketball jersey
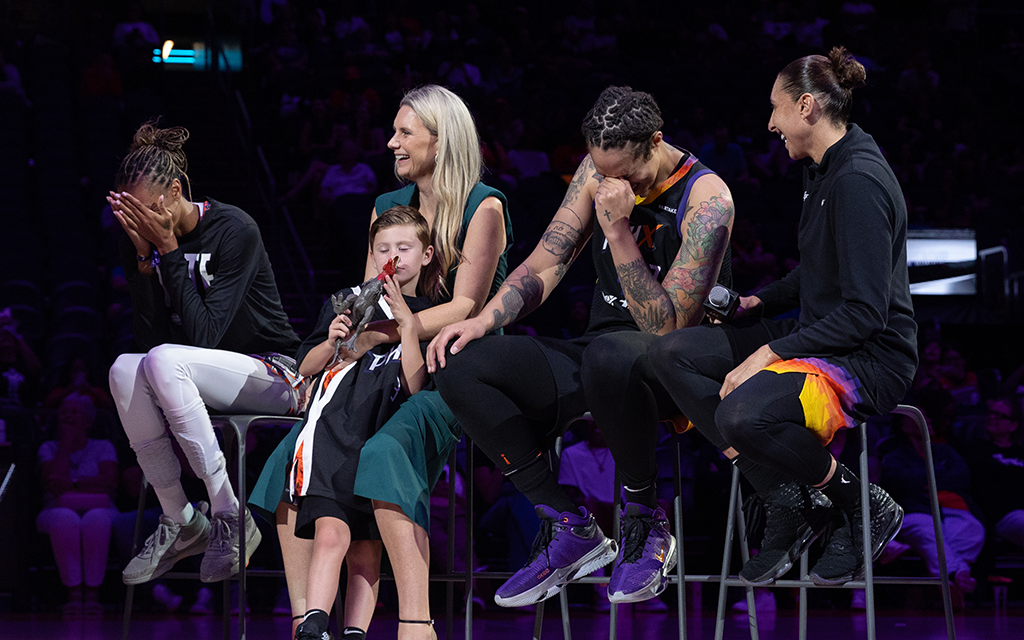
(655, 227)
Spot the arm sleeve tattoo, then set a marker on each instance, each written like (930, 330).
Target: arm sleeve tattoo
(700, 256)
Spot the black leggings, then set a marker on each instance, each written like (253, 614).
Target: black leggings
(762, 419)
(627, 400)
(502, 390)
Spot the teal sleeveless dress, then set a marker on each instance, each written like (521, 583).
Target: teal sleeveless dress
(402, 462)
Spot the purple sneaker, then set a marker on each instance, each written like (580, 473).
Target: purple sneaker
(648, 555)
(569, 545)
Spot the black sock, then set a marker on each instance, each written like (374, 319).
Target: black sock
(316, 620)
(843, 488)
(763, 479)
(535, 480)
(353, 633)
(647, 496)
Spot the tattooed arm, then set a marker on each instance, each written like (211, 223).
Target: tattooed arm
(705, 230)
(678, 300)
(533, 281)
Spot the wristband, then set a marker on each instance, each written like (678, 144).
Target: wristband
(153, 259)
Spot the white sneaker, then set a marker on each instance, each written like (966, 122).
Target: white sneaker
(221, 559)
(168, 544)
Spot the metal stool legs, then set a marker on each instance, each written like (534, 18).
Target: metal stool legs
(735, 521)
(680, 577)
(239, 429)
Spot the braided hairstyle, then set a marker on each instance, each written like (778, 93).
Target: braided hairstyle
(154, 158)
(830, 80)
(623, 118)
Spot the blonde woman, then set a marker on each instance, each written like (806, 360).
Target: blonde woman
(437, 153)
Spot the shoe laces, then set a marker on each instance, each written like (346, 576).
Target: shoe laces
(634, 538)
(543, 539)
(841, 538)
(784, 513)
(159, 537)
(754, 515)
(220, 531)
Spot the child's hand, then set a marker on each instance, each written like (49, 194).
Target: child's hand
(395, 300)
(340, 327)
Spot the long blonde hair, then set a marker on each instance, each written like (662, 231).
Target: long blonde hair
(458, 168)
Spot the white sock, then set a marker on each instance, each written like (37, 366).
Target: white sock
(218, 485)
(174, 503)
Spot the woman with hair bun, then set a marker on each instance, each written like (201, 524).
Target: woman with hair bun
(771, 393)
(203, 298)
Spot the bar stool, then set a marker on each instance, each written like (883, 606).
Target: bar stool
(237, 427)
(735, 522)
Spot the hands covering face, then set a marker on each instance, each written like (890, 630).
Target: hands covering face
(144, 225)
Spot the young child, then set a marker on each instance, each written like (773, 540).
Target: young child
(350, 401)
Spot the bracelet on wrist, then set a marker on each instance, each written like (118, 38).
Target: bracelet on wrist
(153, 259)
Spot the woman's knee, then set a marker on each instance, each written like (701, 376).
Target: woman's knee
(98, 518)
(738, 420)
(123, 373)
(675, 349)
(58, 519)
(164, 364)
(461, 371)
(609, 360)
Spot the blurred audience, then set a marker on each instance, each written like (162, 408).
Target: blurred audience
(79, 478)
(997, 470)
(904, 476)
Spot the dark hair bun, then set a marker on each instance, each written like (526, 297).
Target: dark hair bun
(171, 139)
(850, 74)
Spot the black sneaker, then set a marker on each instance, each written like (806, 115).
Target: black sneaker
(796, 515)
(308, 632)
(843, 559)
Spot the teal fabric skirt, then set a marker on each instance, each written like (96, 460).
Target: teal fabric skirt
(399, 464)
(402, 462)
(269, 489)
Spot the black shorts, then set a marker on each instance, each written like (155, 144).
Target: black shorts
(362, 524)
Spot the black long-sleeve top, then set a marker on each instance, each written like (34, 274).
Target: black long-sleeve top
(216, 290)
(851, 285)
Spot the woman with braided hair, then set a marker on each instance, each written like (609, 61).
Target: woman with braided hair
(661, 223)
(203, 299)
(770, 393)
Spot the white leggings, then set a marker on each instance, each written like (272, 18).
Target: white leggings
(177, 383)
(80, 542)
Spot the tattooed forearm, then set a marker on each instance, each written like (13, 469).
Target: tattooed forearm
(518, 300)
(560, 240)
(706, 227)
(654, 317)
(650, 307)
(637, 281)
(578, 180)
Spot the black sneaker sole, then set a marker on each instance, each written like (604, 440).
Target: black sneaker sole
(805, 539)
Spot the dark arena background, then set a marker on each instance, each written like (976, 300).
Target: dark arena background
(290, 105)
